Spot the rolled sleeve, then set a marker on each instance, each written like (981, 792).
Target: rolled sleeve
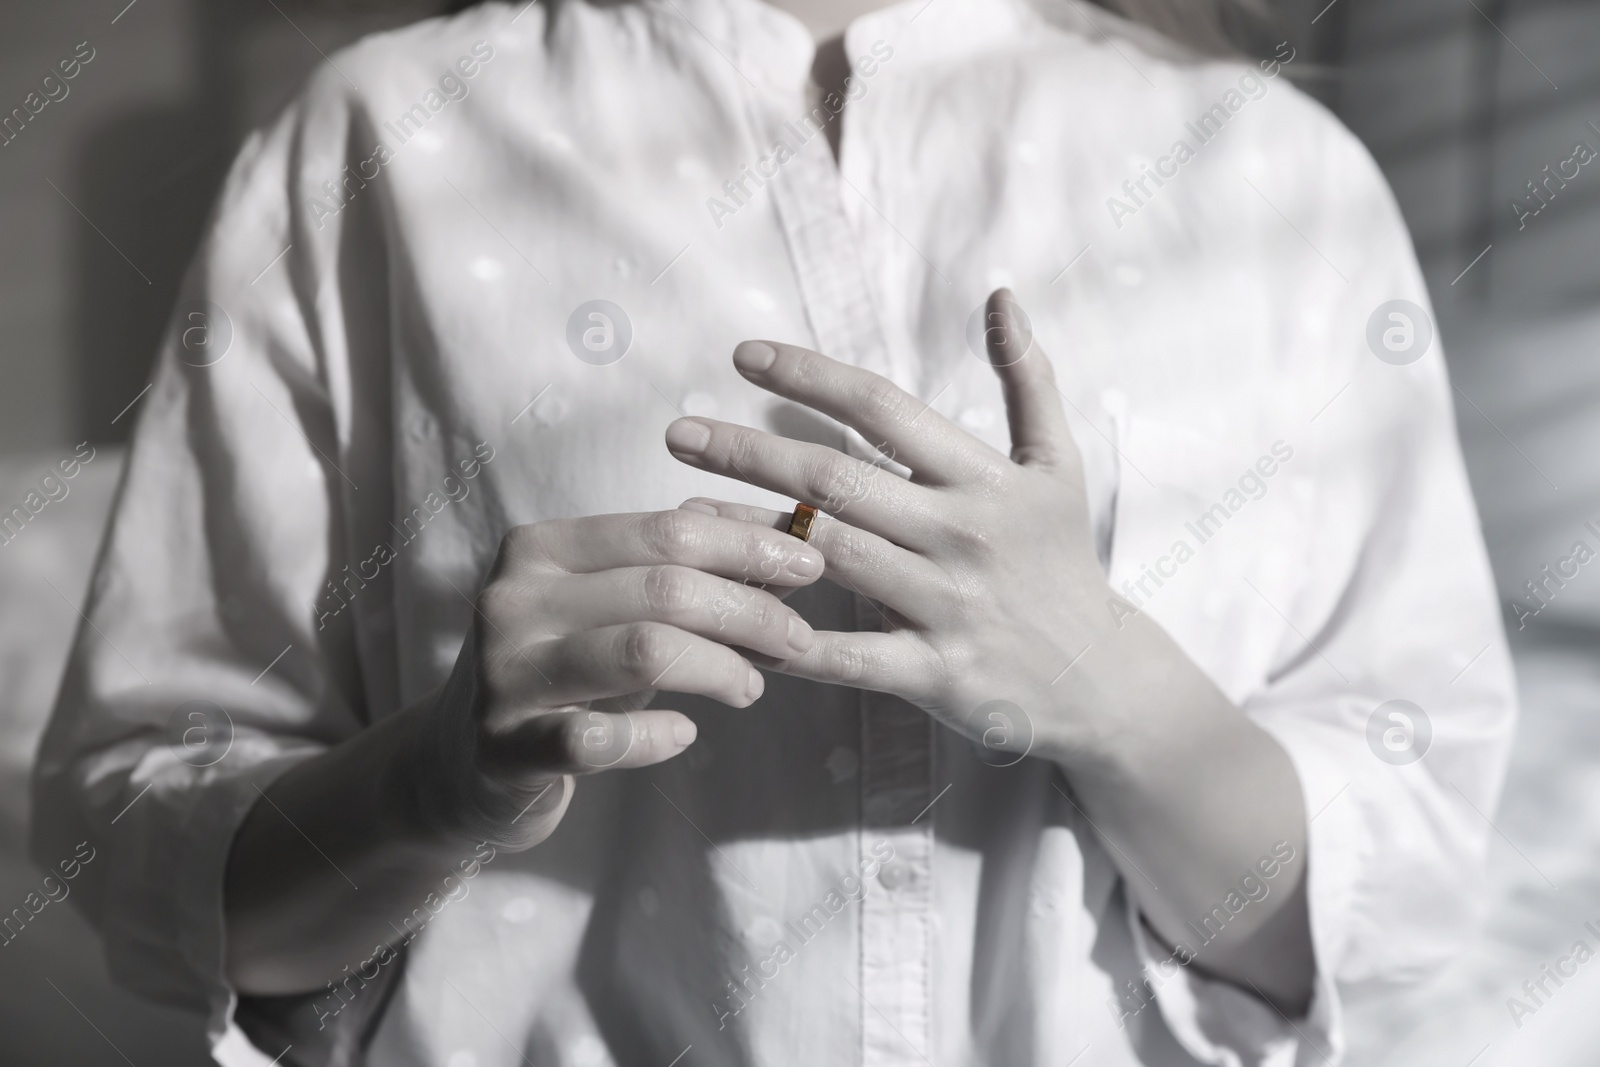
(1219, 1023)
(203, 669)
(1396, 615)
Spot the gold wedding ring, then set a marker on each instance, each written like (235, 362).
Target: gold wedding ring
(800, 524)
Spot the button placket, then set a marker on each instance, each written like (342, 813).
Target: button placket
(896, 758)
(896, 916)
(822, 247)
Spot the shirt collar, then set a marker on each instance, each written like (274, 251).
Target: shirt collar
(772, 47)
(935, 31)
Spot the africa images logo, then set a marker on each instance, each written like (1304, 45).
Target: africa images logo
(599, 332)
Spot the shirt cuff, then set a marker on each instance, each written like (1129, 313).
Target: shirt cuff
(313, 1029)
(233, 1049)
(201, 923)
(165, 933)
(1219, 1023)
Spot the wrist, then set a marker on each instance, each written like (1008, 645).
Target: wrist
(421, 800)
(434, 786)
(450, 790)
(1132, 698)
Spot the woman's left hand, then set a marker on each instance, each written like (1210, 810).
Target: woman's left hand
(1001, 624)
(983, 564)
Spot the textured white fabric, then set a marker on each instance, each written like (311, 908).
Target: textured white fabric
(417, 321)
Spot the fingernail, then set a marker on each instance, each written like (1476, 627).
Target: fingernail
(753, 357)
(687, 437)
(684, 732)
(800, 635)
(755, 685)
(695, 505)
(807, 564)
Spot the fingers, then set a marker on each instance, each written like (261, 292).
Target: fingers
(938, 451)
(1039, 433)
(861, 494)
(704, 604)
(683, 538)
(895, 663)
(858, 560)
(635, 701)
(584, 742)
(613, 660)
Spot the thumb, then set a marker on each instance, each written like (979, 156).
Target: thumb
(1039, 433)
(586, 741)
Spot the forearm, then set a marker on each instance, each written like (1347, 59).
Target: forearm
(1193, 797)
(578, 620)
(328, 862)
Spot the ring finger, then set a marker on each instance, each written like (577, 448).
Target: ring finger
(856, 559)
(864, 495)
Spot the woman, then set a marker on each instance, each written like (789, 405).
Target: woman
(1153, 689)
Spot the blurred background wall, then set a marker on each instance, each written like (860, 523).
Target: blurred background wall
(1463, 102)
(102, 199)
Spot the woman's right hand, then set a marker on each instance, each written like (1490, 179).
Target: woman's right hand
(581, 621)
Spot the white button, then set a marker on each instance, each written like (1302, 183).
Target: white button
(463, 1058)
(428, 141)
(842, 764)
(761, 299)
(1129, 274)
(487, 269)
(1028, 152)
(893, 875)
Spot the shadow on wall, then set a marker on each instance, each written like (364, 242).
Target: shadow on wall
(150, 177)
(57, 1005)
(148, 171)
(147, 177)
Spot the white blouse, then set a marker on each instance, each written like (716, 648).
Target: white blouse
(388, 352)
